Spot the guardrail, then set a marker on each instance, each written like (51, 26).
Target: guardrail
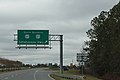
(8, 69)
(12, 69)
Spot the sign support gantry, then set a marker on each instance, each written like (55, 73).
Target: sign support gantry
(58, 38)
(52, 37)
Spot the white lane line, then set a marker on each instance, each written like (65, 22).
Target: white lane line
(35, 75)
(6, 78)
(12, 76)
(50, 77)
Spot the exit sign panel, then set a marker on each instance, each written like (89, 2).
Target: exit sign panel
(33, 37)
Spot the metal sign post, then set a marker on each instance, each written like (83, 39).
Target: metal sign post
(61, 54)
(38, 39)
(58, 38)
(82, 68)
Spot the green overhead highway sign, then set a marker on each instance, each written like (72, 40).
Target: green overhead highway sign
(33, 37)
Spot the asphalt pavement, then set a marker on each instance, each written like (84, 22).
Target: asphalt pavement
(30, 74)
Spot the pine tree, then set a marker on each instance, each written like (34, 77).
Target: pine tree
(104, 44)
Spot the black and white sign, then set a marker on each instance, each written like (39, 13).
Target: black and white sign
(82, 57)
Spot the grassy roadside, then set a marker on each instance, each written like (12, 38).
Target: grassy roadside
(89, 77)
(57, 78)
(74, 72)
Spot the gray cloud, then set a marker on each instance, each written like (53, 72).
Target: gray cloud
(45, 10)
(68, 17)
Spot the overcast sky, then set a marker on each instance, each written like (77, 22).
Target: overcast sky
(68, 17)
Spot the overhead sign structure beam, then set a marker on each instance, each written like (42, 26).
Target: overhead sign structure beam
(52, 37)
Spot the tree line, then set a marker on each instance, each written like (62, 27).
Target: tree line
(104, 43)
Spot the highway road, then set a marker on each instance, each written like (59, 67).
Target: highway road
(30, 74)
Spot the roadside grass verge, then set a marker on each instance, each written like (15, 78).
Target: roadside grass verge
(77, 72)
(73, 72)
(89, 77)
(60, 78)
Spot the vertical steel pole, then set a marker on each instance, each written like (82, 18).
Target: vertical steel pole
(82, 71)
(61, 54)
(82, 68)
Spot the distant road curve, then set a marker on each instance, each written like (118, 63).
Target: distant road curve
(30, 74)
